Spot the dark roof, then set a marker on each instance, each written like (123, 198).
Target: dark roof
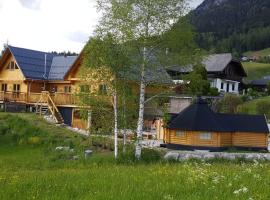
(212, 63)
(32, 63)
(199, 117)
(261, 82)
(60, 66)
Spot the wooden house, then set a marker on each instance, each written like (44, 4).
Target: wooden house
(48, 83)
(36, 80)
(224, 72)
(198, 127)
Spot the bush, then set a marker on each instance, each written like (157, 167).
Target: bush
(213, 92)
(229, 104)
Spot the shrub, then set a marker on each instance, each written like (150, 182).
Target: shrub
(229, 104)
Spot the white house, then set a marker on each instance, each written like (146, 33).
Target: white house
(225, 73)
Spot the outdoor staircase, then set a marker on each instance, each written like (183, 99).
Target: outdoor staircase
(46, 106)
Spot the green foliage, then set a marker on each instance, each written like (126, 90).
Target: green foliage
(229, 104)
(197, 82)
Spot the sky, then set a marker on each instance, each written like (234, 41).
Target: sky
(49, 25)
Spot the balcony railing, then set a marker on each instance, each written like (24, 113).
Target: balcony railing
(32, 98)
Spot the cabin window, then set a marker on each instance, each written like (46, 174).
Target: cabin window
(67, 89)
(205, 136)
(103, 89)
(85, 88)
(4, 87)
(179, 133)
(16, 87)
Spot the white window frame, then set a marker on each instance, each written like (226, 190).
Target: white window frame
(179, 133)
(205, 136)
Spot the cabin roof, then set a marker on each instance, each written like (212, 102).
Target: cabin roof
(32, 63)
(213, 63)
(199, 117)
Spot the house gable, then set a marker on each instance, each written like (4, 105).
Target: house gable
(7, 74)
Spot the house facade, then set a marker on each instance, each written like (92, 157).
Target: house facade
(198, 128)
(224, 73)
(36, 81)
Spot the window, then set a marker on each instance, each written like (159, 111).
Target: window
(16, 66)
(4, 87)
(16, 88)
(222, 86)
(233, 86)
(103, 89)
(85, 88)
(179, 133)
(67, 89)
(205, 136)
(12, 65)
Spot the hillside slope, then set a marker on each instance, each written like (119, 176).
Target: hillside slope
(232, 24)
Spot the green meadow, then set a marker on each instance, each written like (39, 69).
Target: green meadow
(256, 70)
(30, 168)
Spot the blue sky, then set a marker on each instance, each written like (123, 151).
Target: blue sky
(49, 25)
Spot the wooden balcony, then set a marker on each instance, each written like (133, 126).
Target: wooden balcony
(60, 99)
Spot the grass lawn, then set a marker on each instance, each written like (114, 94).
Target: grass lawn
(262, 53)
(31, 169)
(250, 106)
(256, 70)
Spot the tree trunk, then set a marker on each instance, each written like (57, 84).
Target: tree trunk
(115, 124)
(138, 150)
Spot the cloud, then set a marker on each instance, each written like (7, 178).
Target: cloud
(78, 36)
(31, 4)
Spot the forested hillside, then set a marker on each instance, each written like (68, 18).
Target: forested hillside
(232, 25)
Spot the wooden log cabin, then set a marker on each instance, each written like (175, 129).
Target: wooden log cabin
(45, 82)
(198, 128)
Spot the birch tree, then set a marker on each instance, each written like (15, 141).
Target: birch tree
(142, 23)
(103, 66)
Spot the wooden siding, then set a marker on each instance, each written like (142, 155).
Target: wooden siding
(192, 138)
(250, 139)
(11, 77)
(238, 139)
(225, 139)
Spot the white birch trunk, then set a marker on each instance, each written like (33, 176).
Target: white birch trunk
(138, 150)
(115, 125)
